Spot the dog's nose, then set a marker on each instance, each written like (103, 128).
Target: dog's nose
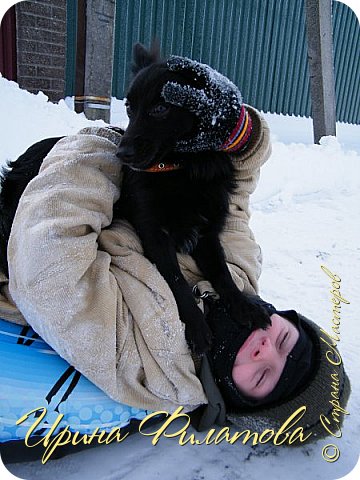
(126, 153)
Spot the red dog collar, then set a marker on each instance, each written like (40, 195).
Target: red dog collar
(163, 167)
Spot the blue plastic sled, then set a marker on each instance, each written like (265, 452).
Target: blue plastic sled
(33, 375)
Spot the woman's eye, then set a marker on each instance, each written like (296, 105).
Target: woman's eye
(283, 341)
(258, 383)
(128, 109)
(159, 110)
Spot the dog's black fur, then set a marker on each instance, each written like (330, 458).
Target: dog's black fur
(13, 181)
(182, 210)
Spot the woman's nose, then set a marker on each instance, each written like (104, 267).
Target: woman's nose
(262, 349)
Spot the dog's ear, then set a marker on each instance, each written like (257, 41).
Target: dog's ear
(143, 57)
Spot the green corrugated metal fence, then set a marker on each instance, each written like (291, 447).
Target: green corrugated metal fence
(347, 63)
(258, 44)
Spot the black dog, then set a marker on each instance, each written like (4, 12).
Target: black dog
(175, 201)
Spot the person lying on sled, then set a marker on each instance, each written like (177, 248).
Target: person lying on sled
(82, 282)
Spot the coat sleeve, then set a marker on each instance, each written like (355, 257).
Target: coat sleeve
(82, 282)
(243, 254)
(58, 276)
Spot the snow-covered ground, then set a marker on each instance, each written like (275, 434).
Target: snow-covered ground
(306, 213)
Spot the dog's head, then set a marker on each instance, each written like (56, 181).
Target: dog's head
(155, 126)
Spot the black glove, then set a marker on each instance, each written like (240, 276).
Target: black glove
(214, 99)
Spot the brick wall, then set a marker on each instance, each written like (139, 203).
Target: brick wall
(41, 46)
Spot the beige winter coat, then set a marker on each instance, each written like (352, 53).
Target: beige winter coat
(81, 280)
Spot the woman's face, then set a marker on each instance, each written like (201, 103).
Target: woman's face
(261, 359)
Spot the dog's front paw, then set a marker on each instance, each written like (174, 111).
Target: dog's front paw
(248, 313)
(197, 332)
(198, 337)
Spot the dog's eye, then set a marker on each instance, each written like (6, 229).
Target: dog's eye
(159, 111)
(128, 109)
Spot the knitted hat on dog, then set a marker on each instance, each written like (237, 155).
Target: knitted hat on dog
(223, 122)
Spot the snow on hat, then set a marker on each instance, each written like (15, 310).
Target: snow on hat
(223, 122)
